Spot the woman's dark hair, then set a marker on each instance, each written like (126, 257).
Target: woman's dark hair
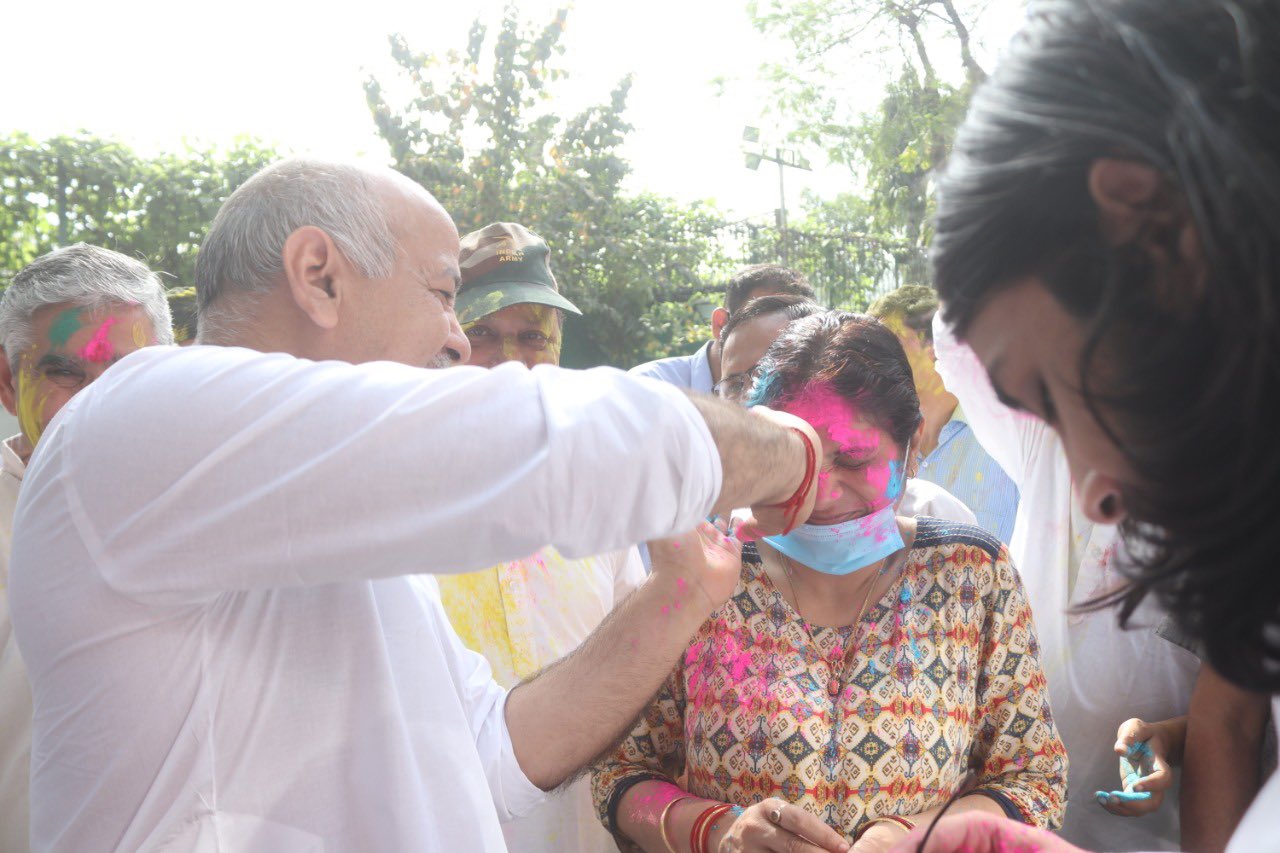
(860, 358)
(793, 307)
(1192, 89)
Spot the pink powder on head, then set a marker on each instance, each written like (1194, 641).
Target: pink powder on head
(826, 411)
(681, 584)
(100, 349)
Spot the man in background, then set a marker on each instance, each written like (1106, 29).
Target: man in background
(64, 320)
(950, 453)
(701, 370)
(182, 304)
(527, 614)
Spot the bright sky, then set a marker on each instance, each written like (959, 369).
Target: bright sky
(156, 73)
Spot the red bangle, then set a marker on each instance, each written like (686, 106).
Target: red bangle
(791, 506)
(703, 825)
(886, 818)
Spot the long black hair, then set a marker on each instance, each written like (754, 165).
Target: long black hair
(1191, 88)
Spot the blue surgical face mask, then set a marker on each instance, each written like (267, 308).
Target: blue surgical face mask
(841, 549)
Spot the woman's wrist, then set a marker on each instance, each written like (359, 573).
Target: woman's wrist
(882, 833)
(721, 828)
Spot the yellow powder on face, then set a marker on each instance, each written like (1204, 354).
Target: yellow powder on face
(32, 396)
(510, 348)
(545, 317)
(928, 382)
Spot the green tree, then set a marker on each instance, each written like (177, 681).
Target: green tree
(895, 149)
(84, 188)
(477, 127)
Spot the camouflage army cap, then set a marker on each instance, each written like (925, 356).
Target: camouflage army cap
(505, 264)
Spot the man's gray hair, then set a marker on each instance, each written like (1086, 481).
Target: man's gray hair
(243, 251)
(88, 276)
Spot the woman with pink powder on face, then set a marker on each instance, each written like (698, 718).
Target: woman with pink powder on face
(868, 666)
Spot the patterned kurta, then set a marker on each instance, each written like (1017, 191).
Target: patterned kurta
(945, 678)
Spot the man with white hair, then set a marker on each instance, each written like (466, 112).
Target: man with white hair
(64, 319)
(227, 646)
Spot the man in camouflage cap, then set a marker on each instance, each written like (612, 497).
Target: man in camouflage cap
(527, 614)
(509, 305)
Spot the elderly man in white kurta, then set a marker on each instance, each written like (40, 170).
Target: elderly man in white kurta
(212, 575)
(64, 319)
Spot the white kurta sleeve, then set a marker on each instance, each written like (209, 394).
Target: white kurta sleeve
(628, 573)
(190, 473)
(485, 702)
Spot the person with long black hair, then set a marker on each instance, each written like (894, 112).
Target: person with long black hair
(1107, 239)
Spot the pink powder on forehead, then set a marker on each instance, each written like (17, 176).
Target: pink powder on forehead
(100, 349)
(826, 411)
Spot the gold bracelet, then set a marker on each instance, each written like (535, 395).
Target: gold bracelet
(888, 818)
(662, 823)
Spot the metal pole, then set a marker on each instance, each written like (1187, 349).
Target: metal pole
(782, 208)
(62, 202)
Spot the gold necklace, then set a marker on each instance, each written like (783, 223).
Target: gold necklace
(836, 683)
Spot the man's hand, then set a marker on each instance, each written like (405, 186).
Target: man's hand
(982, 832)
(1144, 770)
(763, 462)
(775, 825)
(707, 559)
(768, 519)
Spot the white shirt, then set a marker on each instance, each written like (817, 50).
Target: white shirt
(1099, 675)
(525, 615)
(1258, 830)
(692, 372)
(15, 693)
(210, 577)
(923, 498)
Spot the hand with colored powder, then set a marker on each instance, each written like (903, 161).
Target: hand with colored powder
(703, 566)
(771, 519)
(1145, 750)
(982, 832)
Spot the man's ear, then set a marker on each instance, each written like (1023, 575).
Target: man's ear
(8, 385)
(719, 317)
(313, 267)
(1137, 206)
(1130, 196)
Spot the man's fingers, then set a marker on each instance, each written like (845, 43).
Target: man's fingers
(811, 829)
(1131, 732)
(1158, 780)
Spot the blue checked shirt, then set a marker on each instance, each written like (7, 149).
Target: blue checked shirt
(963, 468)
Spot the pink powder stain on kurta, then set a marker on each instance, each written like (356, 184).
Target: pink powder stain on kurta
(100, 349)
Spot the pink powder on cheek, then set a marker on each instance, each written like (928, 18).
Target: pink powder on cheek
(826, 491)
(100, 349)
(878, 477)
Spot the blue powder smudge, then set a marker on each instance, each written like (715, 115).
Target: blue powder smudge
(896, 480)
(762, 392)
(1122, 796)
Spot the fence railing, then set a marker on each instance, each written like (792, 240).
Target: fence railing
(847, 270)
